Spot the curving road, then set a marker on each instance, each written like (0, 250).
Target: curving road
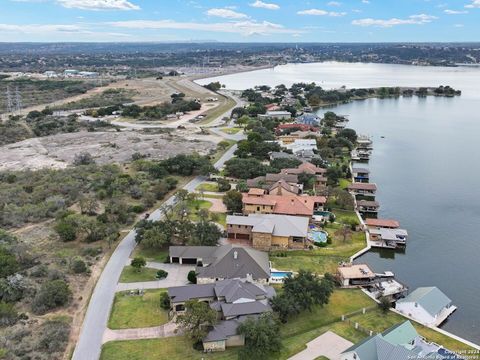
(95, 323)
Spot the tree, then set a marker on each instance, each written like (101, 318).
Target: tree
(164, 301)
(285, 306)
(262, 338)
(205, 233)
(67, 229)
(345, 232)
(223, 185)
(83, 158)
(8, 263)
(384, 304)
(233, 201)
(88, 205)
(242, 186)
(192, 276)
(79, 266)
(197, 320)
(138, 263)
(8, 315)
(51, 295)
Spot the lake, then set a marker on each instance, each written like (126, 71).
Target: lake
(426, 168)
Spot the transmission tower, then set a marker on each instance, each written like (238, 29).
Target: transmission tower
(9, 100)
(18, 100)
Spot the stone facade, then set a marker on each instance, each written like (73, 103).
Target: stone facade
(214, 346)
(262, 241)
(257, 209)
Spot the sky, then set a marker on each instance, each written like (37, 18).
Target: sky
(240, 20)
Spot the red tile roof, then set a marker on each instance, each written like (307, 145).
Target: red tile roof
(362, 186)
(286, 205)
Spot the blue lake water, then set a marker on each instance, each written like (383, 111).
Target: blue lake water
(426, 166)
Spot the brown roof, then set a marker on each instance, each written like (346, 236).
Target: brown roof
(305, 167)
(362, 186)
(286, 205)
(287, 177)
(388, 223)
(282, 184)
(256, 191)
(357, 271)
(368, 203)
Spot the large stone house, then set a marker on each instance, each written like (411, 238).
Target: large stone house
(267, 231)
(216, 263)
(311, 169)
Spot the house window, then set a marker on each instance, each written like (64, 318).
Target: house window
(258, 208)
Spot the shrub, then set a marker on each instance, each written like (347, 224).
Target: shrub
(138, 263)
(164, 301)
(8, 315)
(79, 266)
(223, 185)
(84, 158)
(53, 336)
(39, 271)
(192, 276)
(52, 294)
(161, 274)
(67, 230)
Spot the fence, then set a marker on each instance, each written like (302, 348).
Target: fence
(355, 324)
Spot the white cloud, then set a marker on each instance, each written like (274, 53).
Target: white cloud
(334, 3)
(226, 13)
(366, 1)
(246, 28)
(474, 4)
(39, 28)
(411, 20)
(264, 5)
(455, 12)
(319, 12)
(458, 25)
(99, 4)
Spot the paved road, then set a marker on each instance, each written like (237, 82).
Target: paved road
(95, 322)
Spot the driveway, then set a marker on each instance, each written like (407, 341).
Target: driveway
(329, 344)
(155, 332)
(177, 276)
(94, 325)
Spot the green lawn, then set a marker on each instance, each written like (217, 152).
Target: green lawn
(132, 311)
(130, 274)
(344, 183)
(345, 216)
(171, 348)
(231, 131)
(150, 254)
(195, 205)
(207, 186)
(323, 259)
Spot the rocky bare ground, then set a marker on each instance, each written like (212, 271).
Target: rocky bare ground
(58, 151)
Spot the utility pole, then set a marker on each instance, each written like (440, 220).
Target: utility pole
(9, 100)
(18, 100)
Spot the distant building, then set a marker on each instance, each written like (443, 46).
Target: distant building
(365, 189)
(70, 72)
(281, 115)
(427, 305)
(361, 175)
(355, 275)
(382, 223)
(308, 119)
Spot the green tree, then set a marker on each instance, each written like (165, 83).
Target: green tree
(67, 229)
(52, 294)
(8, 263)
(233, 201)
(262, 338)
(384, 304)
(192, 276)
(164, 301)
(138, 263)
(196, 320)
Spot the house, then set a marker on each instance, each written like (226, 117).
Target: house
(391, 238)
(233, 300)
(308, 119)
(281, 115)
(368, 207)
(309, 168)
(281, 155)
(382, 223)
(300, 145)
(290, 138)
(363, 189)
(355, 275)
(270, 179)
(281, 128)
(400, 342)
(223, 262)
(361, 175)
(267, 231)
(364, 143)
(427, 305)
(282, 202)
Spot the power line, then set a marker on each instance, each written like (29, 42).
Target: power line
(18, 100)
(9, 100)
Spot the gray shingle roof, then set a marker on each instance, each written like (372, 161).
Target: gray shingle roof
(430, 298)
(249, 308)
(284, 225)
(222, 330)
(233, 290)
(226, 266)
(191, 252)
(187, 292)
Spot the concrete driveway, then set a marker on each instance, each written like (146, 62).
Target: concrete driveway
(165, 330)
(177, 276)
(329, 344)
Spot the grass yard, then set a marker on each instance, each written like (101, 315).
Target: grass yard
(322, 260)
(150, 254)
(171, 348)
(207, 186)
(132, 311)
(195, 205)
(130, 274)
(345, 216)
(231, 131)
(344, 183)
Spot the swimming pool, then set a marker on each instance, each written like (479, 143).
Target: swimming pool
(280, 274)
(318, 236)
(325, 214)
